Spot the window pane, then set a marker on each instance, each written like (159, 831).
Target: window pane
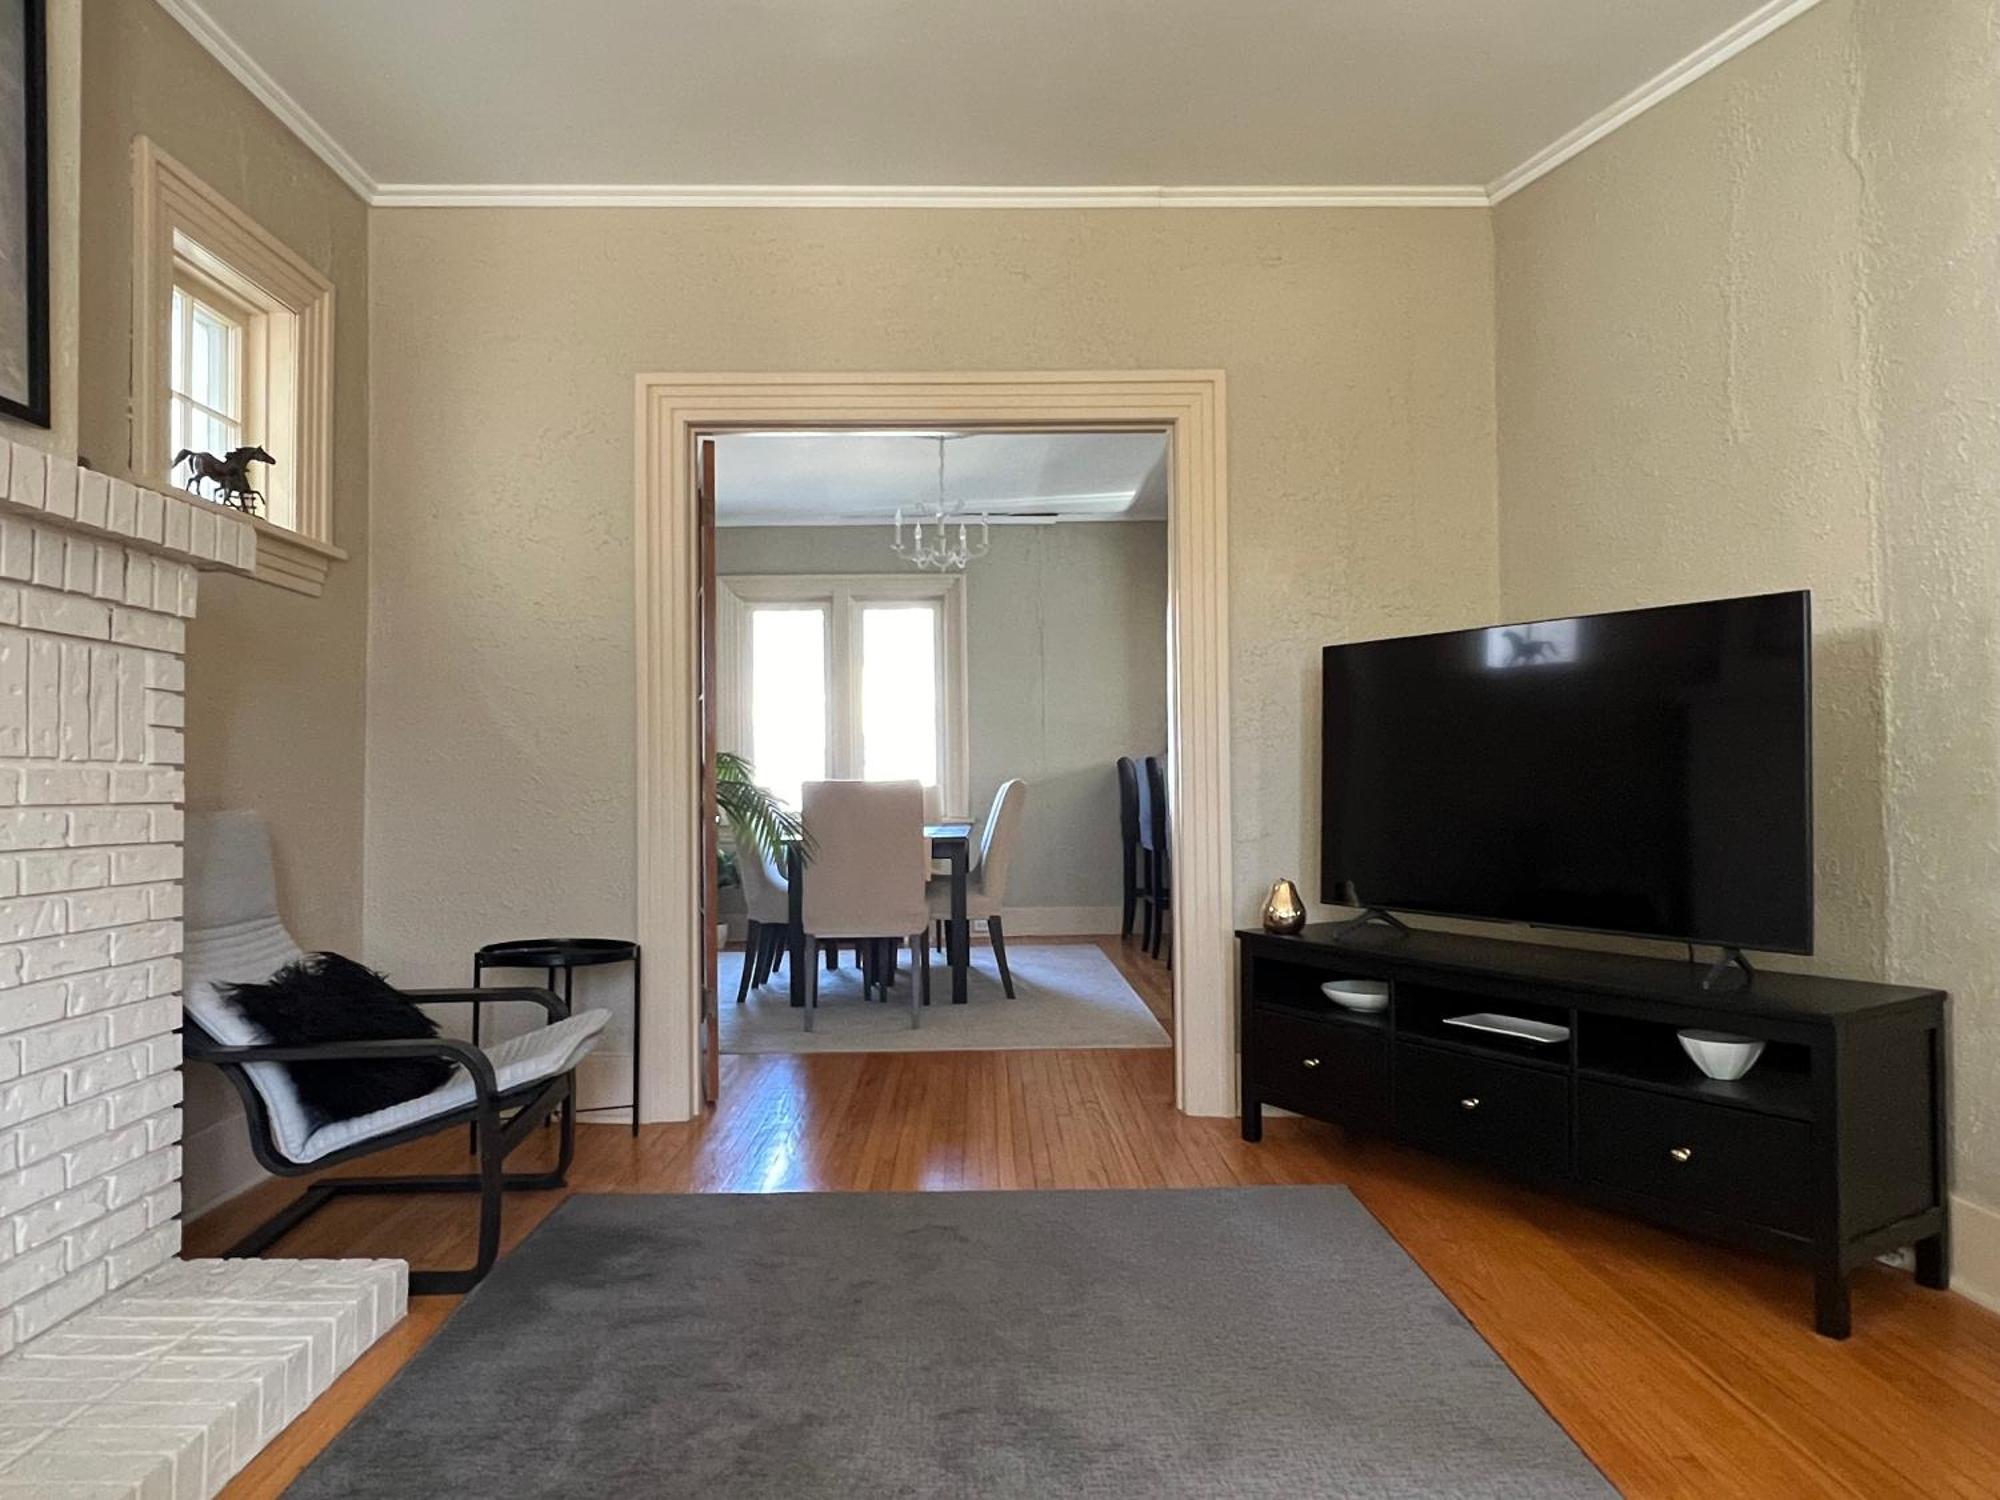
(788, 698)
(208, 433)
(899, 731)
(211, 373)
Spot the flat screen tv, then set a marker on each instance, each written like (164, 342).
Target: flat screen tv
(1647, 772)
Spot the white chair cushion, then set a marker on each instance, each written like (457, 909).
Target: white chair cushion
(534, 1055)
(246, 952)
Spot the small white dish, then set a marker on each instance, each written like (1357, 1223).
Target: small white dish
(1368, 996)
(1518, 1027)
(1721, 1055)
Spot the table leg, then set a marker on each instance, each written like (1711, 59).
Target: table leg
(795, 908)
(638, 1009)
(961, 929)
(478, 982)
(569, 1009)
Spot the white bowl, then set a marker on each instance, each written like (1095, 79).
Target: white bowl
(1722, 1055)
(1365, 995)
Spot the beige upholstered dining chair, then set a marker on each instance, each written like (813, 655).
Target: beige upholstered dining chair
(866, 881)
(986, 890)
(767, 898)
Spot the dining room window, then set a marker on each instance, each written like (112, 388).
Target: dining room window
(845, 678)
(788, 719)
(898, 662)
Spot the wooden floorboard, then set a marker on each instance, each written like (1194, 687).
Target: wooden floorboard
(1683, 1368)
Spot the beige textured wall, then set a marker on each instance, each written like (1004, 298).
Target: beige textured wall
(1749, 342)
(1679, 386)
(1928, 153)
(276, 681)
(1067, 662)
(1358, 346)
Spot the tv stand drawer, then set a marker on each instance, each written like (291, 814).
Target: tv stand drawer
(1501, 1112)
(1327, 1069)
(1707, 1157)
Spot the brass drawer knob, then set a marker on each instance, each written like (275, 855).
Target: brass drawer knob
(1311, 1062)
(1469, 1105)
(1682, 1153)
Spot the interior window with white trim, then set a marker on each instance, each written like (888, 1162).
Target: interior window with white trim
(232, 349)
(232, 375)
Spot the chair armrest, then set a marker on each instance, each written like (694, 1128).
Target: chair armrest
(476, 1063)
(547, 999)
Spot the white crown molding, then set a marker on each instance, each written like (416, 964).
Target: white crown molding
(291, 114)
(805, 195)
(1705, 59)
(1698, 63)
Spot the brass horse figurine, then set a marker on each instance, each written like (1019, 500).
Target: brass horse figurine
(230, 474)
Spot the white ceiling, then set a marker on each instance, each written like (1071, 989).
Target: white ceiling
(430, 98)
(861, 478)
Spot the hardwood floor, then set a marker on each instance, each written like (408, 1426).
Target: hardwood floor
(1683, 1368)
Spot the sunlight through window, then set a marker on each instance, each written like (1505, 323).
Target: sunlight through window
(899, 726)
(788, 697)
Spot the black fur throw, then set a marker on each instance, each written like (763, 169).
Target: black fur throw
(326, 998)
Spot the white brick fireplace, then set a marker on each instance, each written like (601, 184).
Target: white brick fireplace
(97, 581)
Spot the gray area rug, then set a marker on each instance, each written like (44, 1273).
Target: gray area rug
(1255, 1342)
(1065, 995)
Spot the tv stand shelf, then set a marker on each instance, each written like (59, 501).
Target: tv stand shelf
(1830, 1151)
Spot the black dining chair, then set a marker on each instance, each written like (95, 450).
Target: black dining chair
(1129, 799)
(1154, 832)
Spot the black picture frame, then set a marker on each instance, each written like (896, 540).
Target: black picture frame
(32, 404)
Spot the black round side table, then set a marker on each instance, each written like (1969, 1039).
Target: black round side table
(564, 956)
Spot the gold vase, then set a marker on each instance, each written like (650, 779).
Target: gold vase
(1284, 912)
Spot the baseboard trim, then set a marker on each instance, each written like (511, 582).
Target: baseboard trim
(1031, 921)
(1062, 921)
(217, 1165)
(1975, 1251)
(604, 1082)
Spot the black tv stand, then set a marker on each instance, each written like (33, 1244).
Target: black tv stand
(1831, 1150)
(1729, 974)
(1372, 914)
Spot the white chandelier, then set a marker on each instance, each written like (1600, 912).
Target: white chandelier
(943, 539)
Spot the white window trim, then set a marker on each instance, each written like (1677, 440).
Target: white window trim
(844, 594)
(176, 217)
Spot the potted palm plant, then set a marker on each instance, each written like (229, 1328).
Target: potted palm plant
(757, 818)
(758, 822)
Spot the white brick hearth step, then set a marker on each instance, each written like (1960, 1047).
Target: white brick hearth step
(167, 1387)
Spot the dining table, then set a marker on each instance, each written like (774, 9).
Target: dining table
(951, 842)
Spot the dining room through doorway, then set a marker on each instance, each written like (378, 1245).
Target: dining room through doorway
(983, 614)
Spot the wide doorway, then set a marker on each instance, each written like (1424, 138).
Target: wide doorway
(707, 600)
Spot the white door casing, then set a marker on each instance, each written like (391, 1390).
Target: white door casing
(675, 410)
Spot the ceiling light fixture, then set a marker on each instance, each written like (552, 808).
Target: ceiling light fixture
(943, 538)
